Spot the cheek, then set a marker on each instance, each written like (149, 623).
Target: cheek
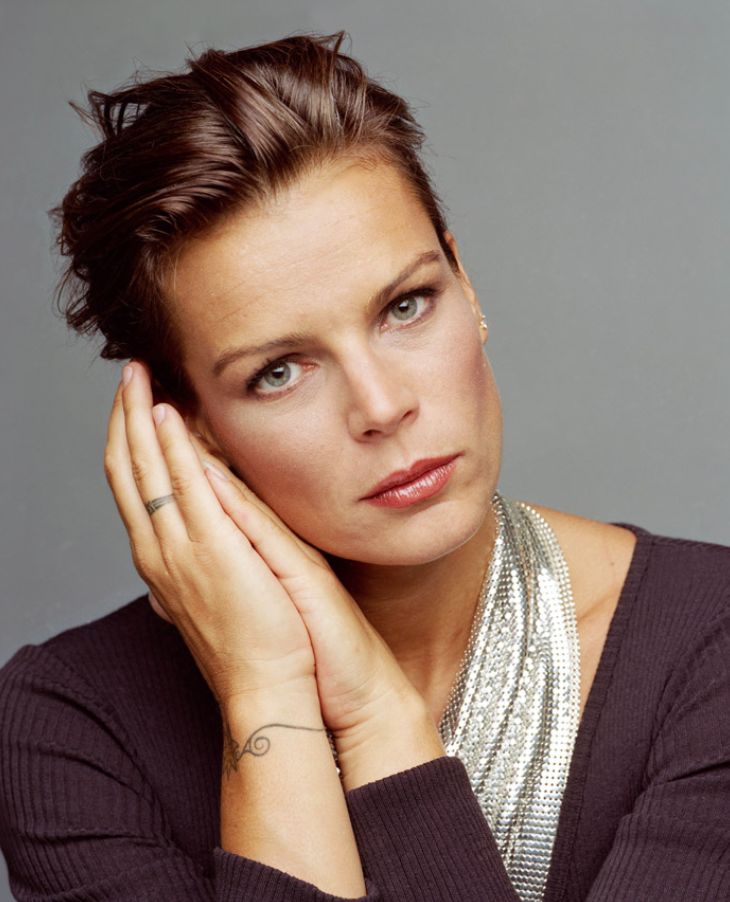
(467, 401)
(287, 468)
(288, 460)
(460, 373)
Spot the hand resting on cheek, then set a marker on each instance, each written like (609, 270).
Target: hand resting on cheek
(219, 563)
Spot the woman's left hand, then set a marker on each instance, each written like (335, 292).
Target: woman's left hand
(359, 680)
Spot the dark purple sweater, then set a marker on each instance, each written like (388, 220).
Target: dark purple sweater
(111, 751)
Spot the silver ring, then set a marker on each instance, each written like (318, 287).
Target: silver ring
(156, 503)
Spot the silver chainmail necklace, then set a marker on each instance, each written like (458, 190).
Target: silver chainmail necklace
(513, 709)
(512, 714)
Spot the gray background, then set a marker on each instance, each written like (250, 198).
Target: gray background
(582, 149)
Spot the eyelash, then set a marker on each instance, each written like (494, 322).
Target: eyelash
(425, 291)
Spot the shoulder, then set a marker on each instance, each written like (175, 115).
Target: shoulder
(665, 668)
(678, 575)
(106, 667)
(81, 651)
(61, 652)
(58, 718)
(598, 556)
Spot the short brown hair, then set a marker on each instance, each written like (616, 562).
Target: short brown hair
(181, 150)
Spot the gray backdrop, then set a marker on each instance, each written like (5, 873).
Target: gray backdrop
(582, 149)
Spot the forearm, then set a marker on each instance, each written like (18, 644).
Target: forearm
(282, 802)
(400, 737)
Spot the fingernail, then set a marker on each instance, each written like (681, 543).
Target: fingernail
(214, 471)
(127, 373)
(159, 412)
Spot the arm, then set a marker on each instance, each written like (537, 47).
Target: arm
(422, 834)
(420, 830)
(79, 817)
(247, 638)
(281, 798)
(674, 846)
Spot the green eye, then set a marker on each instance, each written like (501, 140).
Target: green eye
(405, 308)
(278, 375)
(273, 375)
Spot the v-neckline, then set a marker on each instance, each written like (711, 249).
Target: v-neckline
(570, 809)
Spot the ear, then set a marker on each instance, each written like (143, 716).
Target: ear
(198, 425)
(468, 288)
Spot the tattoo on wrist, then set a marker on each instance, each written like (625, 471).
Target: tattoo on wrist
(256, 745)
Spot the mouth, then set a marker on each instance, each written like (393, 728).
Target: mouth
(422, 479)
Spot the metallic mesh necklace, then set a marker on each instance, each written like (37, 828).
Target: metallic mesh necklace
(513, 710)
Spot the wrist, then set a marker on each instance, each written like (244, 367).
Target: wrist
(401, 737)
(291, 699)
(265, 722)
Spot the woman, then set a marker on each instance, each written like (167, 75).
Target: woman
(367, 674)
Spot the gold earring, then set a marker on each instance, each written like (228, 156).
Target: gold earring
(483, 324)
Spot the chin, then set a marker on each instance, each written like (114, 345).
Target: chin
(428, 535)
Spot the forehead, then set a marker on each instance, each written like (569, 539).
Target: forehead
(335, 236)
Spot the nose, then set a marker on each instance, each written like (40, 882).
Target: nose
(380, 396)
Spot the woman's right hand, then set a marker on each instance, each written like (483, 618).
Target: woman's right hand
(233, 613)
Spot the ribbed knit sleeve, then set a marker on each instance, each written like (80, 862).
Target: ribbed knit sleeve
(110, 752)
(423, 837)
(675, 843)
(79, 820)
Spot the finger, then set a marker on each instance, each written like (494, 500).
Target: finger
(118, 470)
(148, 465)
(327, 609)
(207, 456)
(275, 545)
(200, 509)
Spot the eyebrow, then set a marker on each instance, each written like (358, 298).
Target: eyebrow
(295, 339)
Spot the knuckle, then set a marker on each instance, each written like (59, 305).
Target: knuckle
(151, 567)
(142, 562)
(170, 555)
(181, 482)
(205, 558)
(140, 469)
(111, 465)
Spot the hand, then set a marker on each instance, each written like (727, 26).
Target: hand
(379, 720)
(358, 678)
(231, 610)
(210, 559)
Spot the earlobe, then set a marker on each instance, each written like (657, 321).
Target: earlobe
(483, 328)
(198, 427)
(205, 442)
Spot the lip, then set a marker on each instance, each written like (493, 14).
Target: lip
(404, 477)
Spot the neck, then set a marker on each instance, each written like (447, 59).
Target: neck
(424, 612)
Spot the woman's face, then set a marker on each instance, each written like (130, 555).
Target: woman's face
(355, 376)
